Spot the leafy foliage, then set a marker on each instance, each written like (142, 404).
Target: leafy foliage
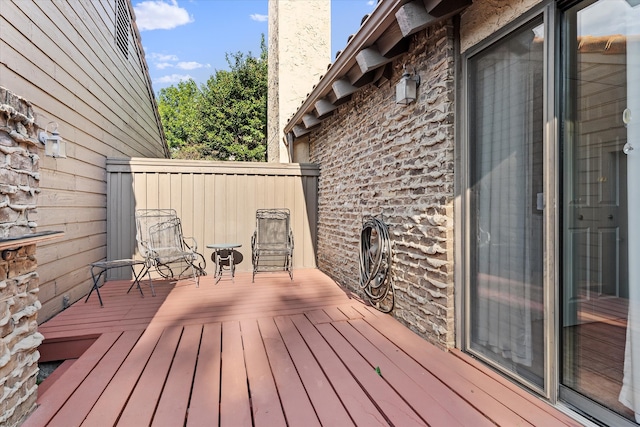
(223, 119)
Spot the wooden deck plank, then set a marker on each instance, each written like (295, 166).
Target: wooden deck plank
(353, 397)
(235, 408)
(350, 311)
(87, 393)
(204, 407)
(142, 403)
(323, 397)
(174, 401)
(318, 316)
(279, 341)
(461, 410)
(496, 400)
(335, 314)
(393, 407)
(518, 400)
(54, 376)
(265, 402)
(107, 409)
(206, 304)
(425, 404)
(60, 391)
(295, 402)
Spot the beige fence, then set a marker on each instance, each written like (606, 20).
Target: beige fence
(216, 202)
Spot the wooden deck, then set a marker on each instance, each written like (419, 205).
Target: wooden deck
(271, 353)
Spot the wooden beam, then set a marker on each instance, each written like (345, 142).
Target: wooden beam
(382, 75)
(299, 130)
(333, 98)
(389, 39)
(343, 88)
(310, 120)
(369, 59)
(413, 17)
(400, 48)
(324, 107)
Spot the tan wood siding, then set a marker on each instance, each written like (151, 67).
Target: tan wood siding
(62, 57)
(216, 202)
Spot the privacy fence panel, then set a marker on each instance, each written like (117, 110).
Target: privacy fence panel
(216, 201)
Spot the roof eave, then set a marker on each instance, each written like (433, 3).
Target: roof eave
(382, 30)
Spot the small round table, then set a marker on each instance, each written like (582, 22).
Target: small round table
(223, 254)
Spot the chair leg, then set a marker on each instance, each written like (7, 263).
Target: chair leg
(196, 277)
(139, 276)
(136, 281)
(95, 285)
(290, 266)
(147, 268)
(255, 267)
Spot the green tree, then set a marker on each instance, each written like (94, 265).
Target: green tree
(179, 116)
(225, 118)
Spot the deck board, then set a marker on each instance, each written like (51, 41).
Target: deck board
(86, 395)
(427, 405)
(265, 401)
(143, 401)
(271, 353)
(174, 401)
(435, 390)
(235, 408)
(361, 409)
(326, 403)
(59, 392)
(390, 403)
(107, 409)
(204, 408)
(296, 404)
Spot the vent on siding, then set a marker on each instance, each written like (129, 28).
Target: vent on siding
(123, 23)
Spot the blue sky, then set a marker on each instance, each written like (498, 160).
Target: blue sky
(189, 38)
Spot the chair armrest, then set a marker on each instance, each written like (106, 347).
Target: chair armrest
(193, 247)
(253, 239)
(291, 238)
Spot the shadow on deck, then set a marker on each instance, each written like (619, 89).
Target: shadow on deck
(275, 352)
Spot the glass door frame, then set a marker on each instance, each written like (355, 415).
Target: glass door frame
(547, 11)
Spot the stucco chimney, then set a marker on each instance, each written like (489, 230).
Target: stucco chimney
(299, 53)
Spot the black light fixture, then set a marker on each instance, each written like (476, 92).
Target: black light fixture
(407, 87)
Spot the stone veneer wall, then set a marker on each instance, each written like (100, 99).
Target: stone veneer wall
(19, 305)
(485, 17)
(381, 159)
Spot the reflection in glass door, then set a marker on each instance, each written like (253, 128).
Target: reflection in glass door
(505, 109)
(599, 200)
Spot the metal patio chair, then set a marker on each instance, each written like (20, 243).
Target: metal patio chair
(272, 242)
(164, 248)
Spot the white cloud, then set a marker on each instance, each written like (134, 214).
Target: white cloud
(162, 57)
(258, 17)
(160, 15)
(192, 65)
(173, 78)
(371, 3)
(163, 65)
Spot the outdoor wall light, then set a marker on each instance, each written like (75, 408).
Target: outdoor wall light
(407, 87)
(54, 145)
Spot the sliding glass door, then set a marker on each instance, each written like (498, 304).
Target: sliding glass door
(601, 191)
(506, 313)
(552, 205)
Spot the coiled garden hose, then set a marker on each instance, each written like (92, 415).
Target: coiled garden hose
(375, 264)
